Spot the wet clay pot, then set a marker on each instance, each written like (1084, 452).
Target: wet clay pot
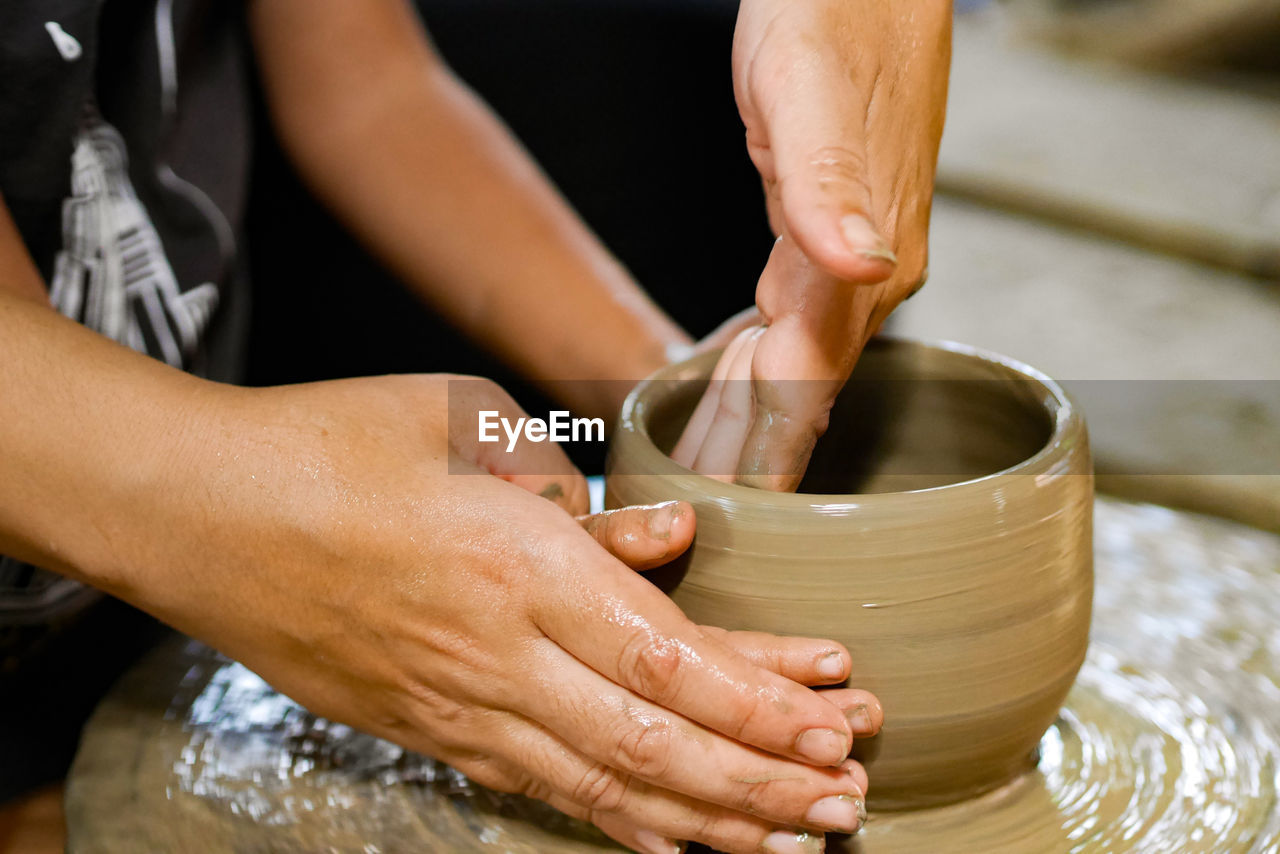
(943, 534)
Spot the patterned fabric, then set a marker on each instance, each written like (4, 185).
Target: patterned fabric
(124, 138)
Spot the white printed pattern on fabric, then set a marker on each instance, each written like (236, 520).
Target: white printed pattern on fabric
(112, 273)
(66, 43)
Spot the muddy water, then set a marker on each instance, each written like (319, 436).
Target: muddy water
(1170, 740)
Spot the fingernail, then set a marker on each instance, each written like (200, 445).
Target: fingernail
(843, 813)
(831, 666)
(860, 719)
(660, 519)
(823, 746)
(790, 842)
(881, 254)
(865, 240)
(652, 843)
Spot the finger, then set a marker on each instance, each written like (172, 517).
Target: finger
(860, 708)
(809, 661)
(858, 774)
(815, 124)
(503, 776)
(695, 431)
(814, 338)
(720, 451)
(627, 631)
(619, 829)
(718, 829)
(644, 537)
(617, 802)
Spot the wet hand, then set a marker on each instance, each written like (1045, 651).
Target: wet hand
(391, 572)
(843, 102)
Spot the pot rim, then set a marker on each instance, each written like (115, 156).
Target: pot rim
(1053, 456)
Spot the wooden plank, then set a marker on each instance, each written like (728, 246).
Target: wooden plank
(1164, 32)
(1181, 167)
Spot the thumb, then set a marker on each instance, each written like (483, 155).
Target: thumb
(815, 127)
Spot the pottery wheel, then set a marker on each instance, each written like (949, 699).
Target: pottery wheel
(1170, 740)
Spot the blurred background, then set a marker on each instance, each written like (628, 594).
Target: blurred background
(1108, 211)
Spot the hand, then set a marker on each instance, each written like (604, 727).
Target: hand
(843, 102)
(401, 577)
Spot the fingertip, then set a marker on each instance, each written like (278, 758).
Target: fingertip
(846, 247)
(864, 241)
(770, 481)
(683, 526)
(854, 769)
(860, 708)
(646, 536)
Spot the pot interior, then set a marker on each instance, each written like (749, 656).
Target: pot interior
(911, 417)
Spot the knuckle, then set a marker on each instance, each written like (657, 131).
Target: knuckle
(837, 167)
(752, 715)
(755, 797)
(600, 789)
(436, 710)
(645, 750)
(652, 665)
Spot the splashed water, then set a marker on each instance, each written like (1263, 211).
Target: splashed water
(1169, 742)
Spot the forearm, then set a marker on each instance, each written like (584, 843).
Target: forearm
(426, 175)
(92, 436)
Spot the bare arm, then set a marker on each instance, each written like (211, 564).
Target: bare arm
(18, 273)
(424, 173)
(324, 535)
(340, 540)
(88, 429)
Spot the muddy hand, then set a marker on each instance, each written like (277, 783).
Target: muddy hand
(843, 102)
(648, 536)
(388, 571)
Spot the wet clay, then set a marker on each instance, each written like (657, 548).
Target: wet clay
(965, 602)
(1169, 740)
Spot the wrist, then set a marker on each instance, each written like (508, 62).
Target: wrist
(151, 491)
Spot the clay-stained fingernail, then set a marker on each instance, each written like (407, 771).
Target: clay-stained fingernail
(865, 240)
(883, 253)
(651, 843)
(831, 666)
(843, 813)
(661, 519)
(823, 746)
(790, 842)
(860, 720)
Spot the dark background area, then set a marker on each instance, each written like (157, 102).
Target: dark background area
(627, 105)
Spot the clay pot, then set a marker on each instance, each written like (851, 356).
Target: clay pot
(955, 563)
